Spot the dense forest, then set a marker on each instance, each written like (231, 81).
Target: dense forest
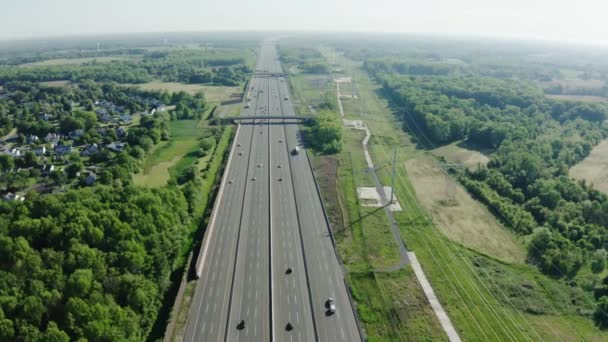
(89, 263)
(532, 141)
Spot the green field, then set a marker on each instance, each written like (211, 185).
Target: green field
(212, 93)
(170, 158)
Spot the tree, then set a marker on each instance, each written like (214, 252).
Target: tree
(6, 162)
(601, 313)
(79, 283)
(598, 262)
(70, 124)
(74, 169)
(326, 132)
(54, 334)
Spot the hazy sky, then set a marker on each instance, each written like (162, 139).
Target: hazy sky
(581, 21)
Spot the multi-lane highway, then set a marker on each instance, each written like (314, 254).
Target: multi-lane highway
(267, 264)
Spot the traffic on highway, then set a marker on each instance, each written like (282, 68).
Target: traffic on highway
(267, 267)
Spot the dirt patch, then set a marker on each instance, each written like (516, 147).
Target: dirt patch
(326, 169)
(459, 216)
(459, 155)
(594, 168)
(57, 84)
(576, 83)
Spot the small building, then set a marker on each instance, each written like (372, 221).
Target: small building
(63, 149)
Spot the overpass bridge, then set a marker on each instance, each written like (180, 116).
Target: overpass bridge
(258, 119)
(269, 74)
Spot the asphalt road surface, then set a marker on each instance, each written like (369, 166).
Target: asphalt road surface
(267, 258)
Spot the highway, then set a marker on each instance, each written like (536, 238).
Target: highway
(267, 258)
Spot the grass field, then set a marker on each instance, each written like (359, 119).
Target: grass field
(55, 83)
(212, 93)
(582, 98)
(78, 61)
(594, 168)
(396, 298)
(458, 216)
(170, 158)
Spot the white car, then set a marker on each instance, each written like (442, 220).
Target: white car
(331, 306)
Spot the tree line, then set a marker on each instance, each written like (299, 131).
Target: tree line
(182, 66)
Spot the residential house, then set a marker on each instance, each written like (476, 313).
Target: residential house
(32, 139)
(52, 138)
(45, 116)
(121, 132)
(63, 149)
(15, 152)
(39, 151)
(91, 178)
(105, 118)
(76, 134)
(13, 197)
(90, 149)
(47, 169)
(126, 118)
(117, 146)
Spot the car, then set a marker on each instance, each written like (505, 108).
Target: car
(286, 98)
(289, 270)
(259, 165)
(230, 181)
(240, 153)
(280, 179)
(241, 325)
(239, 144)
(280, 141)
(289, 326)
(253, 178)
(296, 150)
(279, 166)
(331, 306)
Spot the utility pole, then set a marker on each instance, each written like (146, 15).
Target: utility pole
(393, 177)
